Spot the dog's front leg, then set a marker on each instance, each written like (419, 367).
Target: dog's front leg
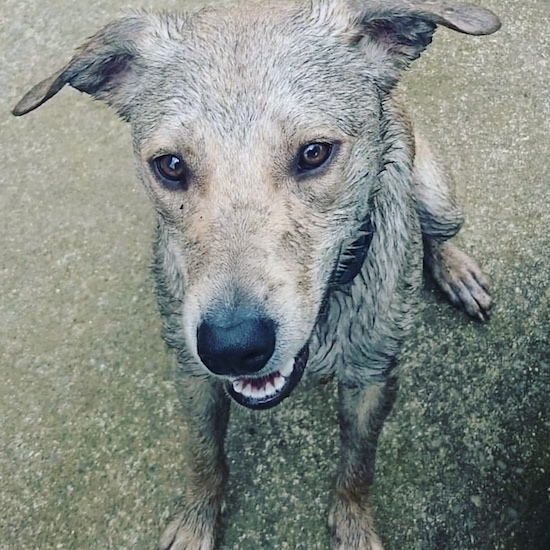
(206, 409)
(362, 413)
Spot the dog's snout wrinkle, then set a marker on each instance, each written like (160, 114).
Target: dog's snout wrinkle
(240, 343)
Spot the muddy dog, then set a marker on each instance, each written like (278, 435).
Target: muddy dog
(295, 207)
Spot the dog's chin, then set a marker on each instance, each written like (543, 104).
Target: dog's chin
(268, 391)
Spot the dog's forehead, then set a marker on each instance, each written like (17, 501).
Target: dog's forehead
(242, 64)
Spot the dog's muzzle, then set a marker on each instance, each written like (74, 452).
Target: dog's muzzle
(237, 344)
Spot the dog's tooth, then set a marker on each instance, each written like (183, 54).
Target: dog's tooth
(278, 382)
(238, 386)
(287, 369)
(257, 393)
(247, 390)
(270, 389)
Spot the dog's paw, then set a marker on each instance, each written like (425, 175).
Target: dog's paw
(460, 278)
(190, 530)
(351, 528)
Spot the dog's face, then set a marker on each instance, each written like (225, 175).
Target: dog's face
(260, 134)
(261, 167)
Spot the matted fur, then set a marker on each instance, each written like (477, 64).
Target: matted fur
(236, 94)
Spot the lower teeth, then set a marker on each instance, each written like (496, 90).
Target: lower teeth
(268, 390)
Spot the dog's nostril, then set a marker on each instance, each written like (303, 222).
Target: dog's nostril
(238, 345)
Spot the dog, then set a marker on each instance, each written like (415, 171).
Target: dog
(296, 206)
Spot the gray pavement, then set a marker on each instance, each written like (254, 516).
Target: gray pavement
(90, 432)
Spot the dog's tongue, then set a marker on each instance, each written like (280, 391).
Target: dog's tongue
(267, 391)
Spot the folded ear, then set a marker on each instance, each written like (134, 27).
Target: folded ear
(404, 28)
(102, 67)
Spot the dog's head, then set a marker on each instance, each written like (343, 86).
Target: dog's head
(260, 134)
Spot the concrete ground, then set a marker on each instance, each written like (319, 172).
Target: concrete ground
(90, 432)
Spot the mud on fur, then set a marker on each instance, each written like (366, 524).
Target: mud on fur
(296, 205)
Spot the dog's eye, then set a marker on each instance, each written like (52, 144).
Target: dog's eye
(313, 155)
(171, 169)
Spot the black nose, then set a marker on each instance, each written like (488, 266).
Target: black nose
(239, 342)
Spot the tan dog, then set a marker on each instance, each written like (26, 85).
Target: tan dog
(295, 206)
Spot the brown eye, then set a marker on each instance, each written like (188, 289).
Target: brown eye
(313, 155)
(171, 169)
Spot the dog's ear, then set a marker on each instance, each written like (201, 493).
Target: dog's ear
(102, 67)
(404, 28)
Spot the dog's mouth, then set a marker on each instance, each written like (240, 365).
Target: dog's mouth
(267, 391)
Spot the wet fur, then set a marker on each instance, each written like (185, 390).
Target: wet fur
(246, 228)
